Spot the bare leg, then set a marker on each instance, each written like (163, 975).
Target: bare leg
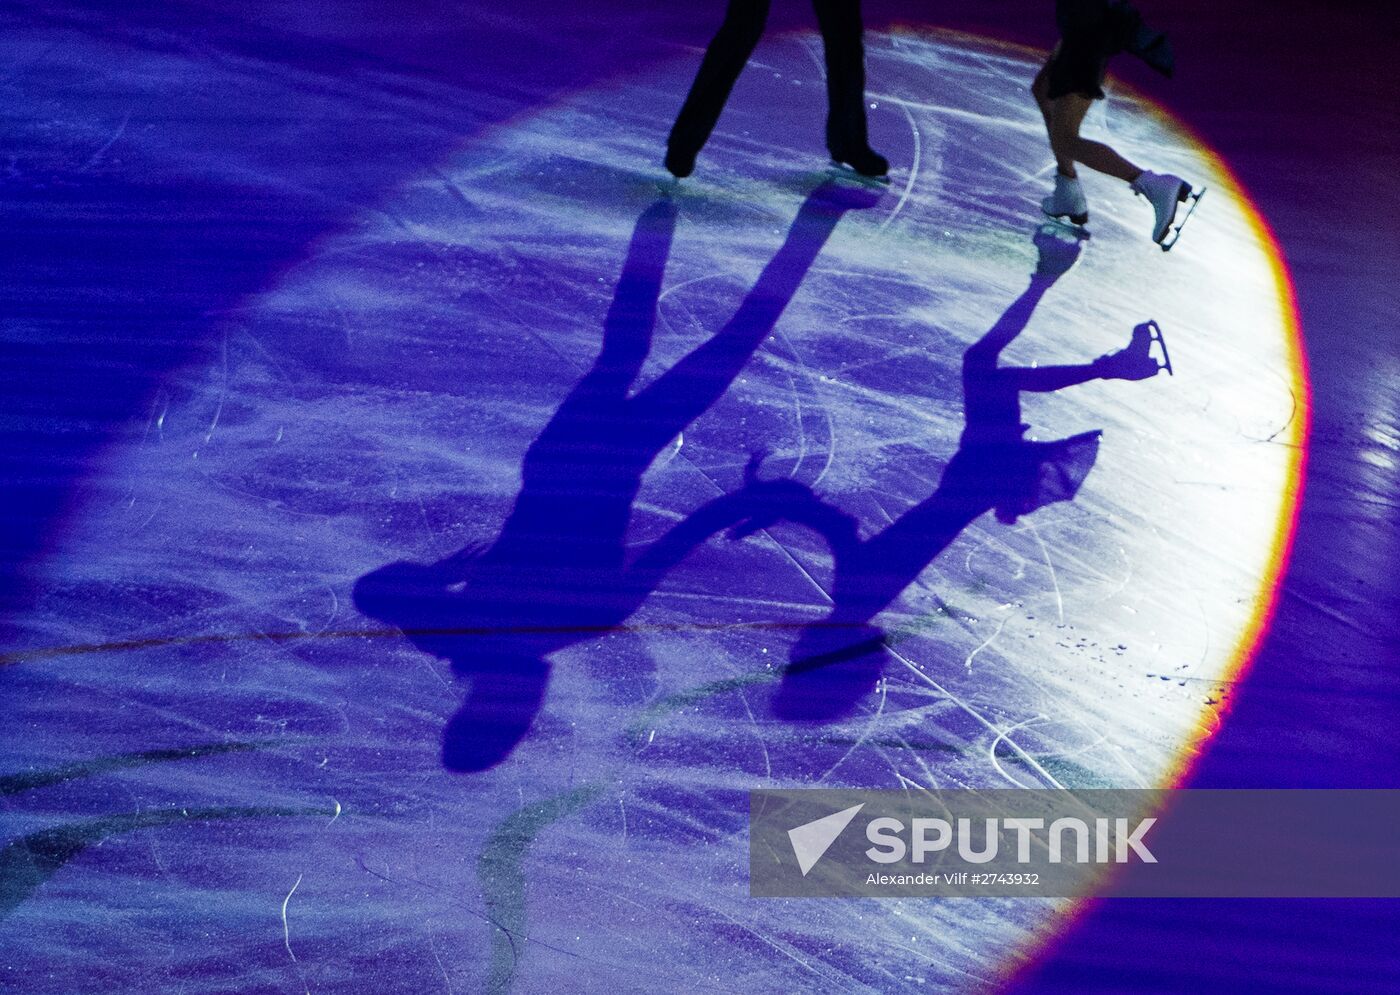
(1040, 89)
(1065, 117)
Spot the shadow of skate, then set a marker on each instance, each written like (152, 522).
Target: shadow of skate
(838, 660)
(558, 572)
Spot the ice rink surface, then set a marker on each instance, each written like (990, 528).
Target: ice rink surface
(412, 530)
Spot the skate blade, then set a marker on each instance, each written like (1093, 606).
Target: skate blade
(846, 171)
(1067, 222)
(1173, 233)
(1154, 330)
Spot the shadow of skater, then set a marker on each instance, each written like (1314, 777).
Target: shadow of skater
(558, 572)
(837, 660)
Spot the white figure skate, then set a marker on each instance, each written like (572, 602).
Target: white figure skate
(1067, 201)
(1164, 192)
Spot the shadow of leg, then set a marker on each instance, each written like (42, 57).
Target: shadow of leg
(833, 668)
(503, 702)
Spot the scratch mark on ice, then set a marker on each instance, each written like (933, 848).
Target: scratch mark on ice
(967, 664)
(913, 168)
(1002, 735)
(286, 930)
(864, 733)
(446, 978)
(1005, 737)
(96, 157)
(1054, 581)
(223, 391)
(758, 735)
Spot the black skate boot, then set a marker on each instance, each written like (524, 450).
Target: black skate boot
(680, 161)
(862, 158)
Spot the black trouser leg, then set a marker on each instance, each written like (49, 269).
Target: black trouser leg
(724, 60)
(845, 74)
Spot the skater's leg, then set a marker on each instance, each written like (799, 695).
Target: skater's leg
(1163, 191)
(846, 136)
(724, 60)
(1066, 115)
(1066, 201)
(1040, 89)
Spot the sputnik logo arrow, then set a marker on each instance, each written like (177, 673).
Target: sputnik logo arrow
(812, 839)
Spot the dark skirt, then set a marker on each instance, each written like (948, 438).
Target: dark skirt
(1091, 32)
(1077, 69)
(1087, 40)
